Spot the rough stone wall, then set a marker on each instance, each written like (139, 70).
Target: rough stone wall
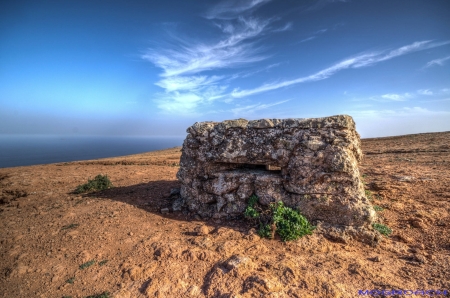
(309, 164)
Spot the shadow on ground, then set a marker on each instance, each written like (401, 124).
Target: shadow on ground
(155, 195)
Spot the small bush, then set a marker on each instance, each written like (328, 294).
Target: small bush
(70, 280)
(368, 195)
(265, 231)
(250, 211)
(384, 230)
(87, 264)
(290, 224)
(101, 263)
(285, 221)
(71, 226)
(100, 182)
(377, 208)
(102, 295)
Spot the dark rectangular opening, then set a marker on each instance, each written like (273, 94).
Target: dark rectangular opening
(258, 167)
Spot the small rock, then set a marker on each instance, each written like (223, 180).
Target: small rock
(178, 204)
(174, 191)
(164, 210)
(193, 291)
(202, 230)
(420, 258)
(236, 261)
(130, 234)
(417, 223)
(377, 259)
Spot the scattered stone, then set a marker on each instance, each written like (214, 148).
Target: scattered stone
(376, 259)
(193, 291)
(174, 191)
(164, 210)
(417, 223)
(236, 261)
(178, 204)
(202, 230)
(310, 164)
(420, 258)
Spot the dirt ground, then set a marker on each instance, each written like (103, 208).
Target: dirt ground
(57, 244)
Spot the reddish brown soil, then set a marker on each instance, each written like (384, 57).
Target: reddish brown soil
(47, 233)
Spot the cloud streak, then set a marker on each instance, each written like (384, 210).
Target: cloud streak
(362, 60)
(184, 88)
(439, 62)
(249, 109)
(227, 10)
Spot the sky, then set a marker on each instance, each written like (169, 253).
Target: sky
(153, 68)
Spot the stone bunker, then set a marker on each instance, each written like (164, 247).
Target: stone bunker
(309, 164)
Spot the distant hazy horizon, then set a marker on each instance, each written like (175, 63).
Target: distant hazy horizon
(119, 68)
(25, 150)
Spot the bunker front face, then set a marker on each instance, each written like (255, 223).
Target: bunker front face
(309, 164)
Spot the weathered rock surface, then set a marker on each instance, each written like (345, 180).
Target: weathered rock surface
(309, 164)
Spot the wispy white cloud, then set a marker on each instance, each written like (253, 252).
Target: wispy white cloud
(425, 92)
(192, 83)
(362, 60)
(263, 69)
(307, 39)
(314, 35)
(236, 49)
(184, 88)
(286, 27)
(232, 8)
(396, 97)
(439, 62)
(249, 109)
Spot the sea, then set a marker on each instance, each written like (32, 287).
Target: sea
(26, 150)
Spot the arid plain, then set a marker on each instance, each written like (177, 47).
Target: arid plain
(54, 243)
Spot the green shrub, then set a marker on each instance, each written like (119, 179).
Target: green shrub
(87, 264)
(385, 230)
(286, 222)
(250, 211)
(290, 224)
(377, 208)
(265, 231)
(102, 295)
(368, 195)
(100, 182)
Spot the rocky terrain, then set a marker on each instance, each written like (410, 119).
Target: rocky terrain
(54, 243)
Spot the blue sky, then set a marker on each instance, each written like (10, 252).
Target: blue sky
(156, 67)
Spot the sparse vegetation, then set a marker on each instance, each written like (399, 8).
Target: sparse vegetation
(71, 226)
(384, 230)
(265, 231)
(70, 280)
(250, 211)
(87, 264)
(377, 208)
(100, 182)
(101, 263)
(288, 223)
(102, 295)
(368, 194)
